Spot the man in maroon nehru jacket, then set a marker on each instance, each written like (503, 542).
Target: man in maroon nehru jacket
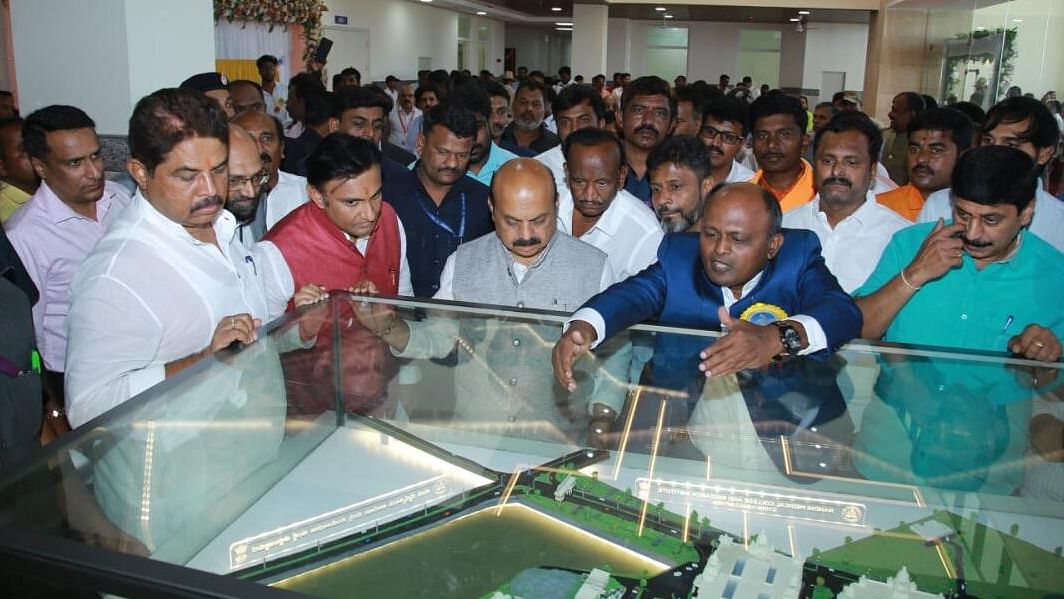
(345, 236)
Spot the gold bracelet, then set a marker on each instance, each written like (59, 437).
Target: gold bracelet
(908, 284)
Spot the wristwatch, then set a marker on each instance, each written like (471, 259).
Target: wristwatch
(789, 337)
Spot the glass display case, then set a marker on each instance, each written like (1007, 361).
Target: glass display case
(322, 461)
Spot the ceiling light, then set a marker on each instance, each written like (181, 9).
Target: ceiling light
(661, 9)
(1017, 20)
(426, 0)
(980, 28)
(803, 12)
(564, 24)
(563, 28)
(481, 13)
(556, 8)
(668, 16)
(795, 20)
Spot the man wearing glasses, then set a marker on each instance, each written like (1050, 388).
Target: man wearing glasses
(246, 178)
(724, 127)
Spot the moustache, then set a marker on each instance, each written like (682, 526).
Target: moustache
(265, 158)
(530, 242)
(838, 181)
(773, 156)
(715, 151)
(207, 202)
(923, 169)
(976, 243)
(647, 128)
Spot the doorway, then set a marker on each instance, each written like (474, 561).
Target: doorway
(350, 49)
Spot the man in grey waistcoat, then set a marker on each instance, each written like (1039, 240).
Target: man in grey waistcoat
(503, 380)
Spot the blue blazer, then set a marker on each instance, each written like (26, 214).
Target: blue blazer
(676, 291)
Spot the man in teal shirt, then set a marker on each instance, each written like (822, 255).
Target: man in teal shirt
(982, 281)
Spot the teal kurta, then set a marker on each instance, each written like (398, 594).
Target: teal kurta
(970, 308)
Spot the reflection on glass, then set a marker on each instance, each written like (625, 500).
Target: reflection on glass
(319, 458)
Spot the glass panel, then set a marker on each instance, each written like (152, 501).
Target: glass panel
(978, 50)
(322, 459)
(760, 40)
(666, 63)
(463, 28)
(762, 67)
(675, 37)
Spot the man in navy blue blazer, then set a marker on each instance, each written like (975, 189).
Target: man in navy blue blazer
(768, 287)
(741, 263)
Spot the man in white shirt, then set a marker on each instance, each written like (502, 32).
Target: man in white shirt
(247, 173)
(169, 283)
(58, 226)
(274, 96)
(285, 191)
(598, 211)
(1027, 125)
(852, 227)
(724, 127)
(576, 107)
(402, 117)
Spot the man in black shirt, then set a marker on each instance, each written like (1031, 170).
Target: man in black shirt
(439, 206)
(527, 129)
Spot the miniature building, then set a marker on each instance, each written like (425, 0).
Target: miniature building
(565, 488)
(595, 584)
(896, 587)
(760, 572)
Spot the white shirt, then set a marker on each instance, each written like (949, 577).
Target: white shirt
(149, 294)
(289, 193)
(400, 122)
(554, 159)
(277, 104)
(851, 249)
(882, 182)
(814, 333)
(628, 232)
(739, 173)
(1048, 221)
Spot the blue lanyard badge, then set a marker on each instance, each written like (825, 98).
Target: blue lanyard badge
(460, 235)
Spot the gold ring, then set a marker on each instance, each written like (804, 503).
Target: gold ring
(232, 323)
(1039, 344)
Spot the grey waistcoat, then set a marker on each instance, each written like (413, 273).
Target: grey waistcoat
(504, 377)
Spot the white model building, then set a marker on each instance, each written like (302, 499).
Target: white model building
(896, 587)
(760, 572)
(594, 585)
(565, 488)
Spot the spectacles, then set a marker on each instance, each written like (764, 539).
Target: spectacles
(729, 138)
(256, 181)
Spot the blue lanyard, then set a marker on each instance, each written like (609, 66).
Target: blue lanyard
(439, 222)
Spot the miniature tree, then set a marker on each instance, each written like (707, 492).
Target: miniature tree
(693, 519)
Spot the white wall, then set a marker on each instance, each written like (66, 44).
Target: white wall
(541, 48)
(835, 47)
(401, 31)
(102, 56)
(713, 49)
(618, 47)
(177, 35)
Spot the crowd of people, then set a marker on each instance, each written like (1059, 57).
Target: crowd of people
(793, 228)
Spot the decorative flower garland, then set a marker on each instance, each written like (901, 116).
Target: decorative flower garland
(277, 12)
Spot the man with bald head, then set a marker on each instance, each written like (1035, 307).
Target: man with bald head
(284, 191)
(766, 287)
(247, 174)
(526, 263)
